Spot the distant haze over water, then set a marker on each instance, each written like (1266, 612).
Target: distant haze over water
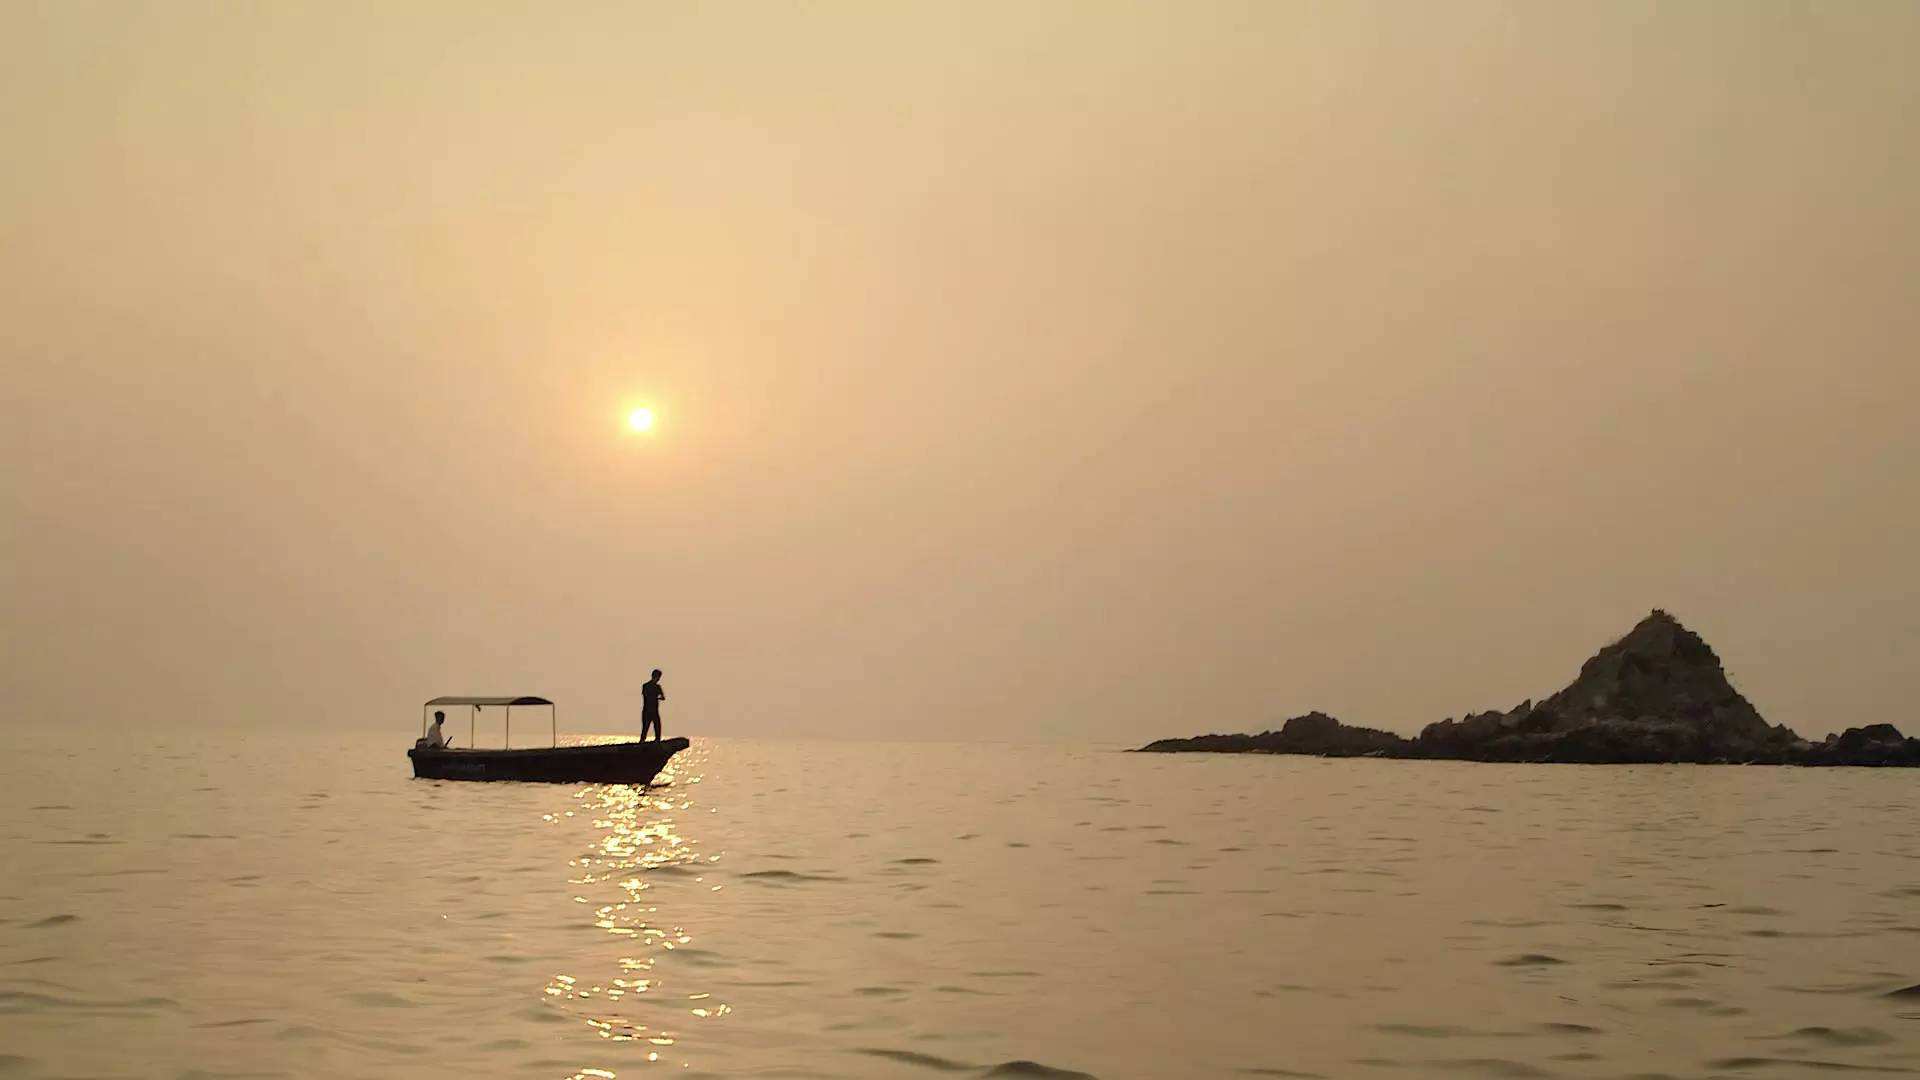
(1016, 371)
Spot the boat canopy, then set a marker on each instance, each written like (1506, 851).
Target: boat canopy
(506, 732)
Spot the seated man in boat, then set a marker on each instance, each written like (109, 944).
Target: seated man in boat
(650, 698)
(436, 738)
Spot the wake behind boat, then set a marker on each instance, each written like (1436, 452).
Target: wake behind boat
(610, 763)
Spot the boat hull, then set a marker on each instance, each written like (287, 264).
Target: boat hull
(609, 763)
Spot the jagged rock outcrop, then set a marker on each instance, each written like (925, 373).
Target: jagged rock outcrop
(1875, 744)
(1659, 694)
(1313, 733)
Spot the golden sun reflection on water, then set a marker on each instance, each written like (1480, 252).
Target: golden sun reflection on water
(638, 834)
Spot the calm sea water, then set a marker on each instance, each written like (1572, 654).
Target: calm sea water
(299, 906)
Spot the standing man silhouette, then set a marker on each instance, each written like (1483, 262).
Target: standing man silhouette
(650, 698)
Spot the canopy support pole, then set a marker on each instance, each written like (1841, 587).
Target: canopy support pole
(553, 716)
(508, 744)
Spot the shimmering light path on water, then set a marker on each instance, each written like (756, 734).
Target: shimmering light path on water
(299, 906)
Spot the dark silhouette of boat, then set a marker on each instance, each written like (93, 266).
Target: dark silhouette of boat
(634, 762)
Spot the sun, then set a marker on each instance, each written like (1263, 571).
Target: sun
(640, 419)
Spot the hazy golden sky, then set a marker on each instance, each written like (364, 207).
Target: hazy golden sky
(1023, 370)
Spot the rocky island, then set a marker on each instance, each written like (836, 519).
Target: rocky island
(1657, 695)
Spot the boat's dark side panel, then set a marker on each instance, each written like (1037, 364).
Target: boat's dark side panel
(613, 763)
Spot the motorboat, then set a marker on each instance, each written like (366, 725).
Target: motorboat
(634, 762)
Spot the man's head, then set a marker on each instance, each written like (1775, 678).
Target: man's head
(439, 717)
(656, 673)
